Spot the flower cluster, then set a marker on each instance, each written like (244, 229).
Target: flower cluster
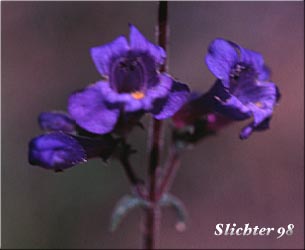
(133, 85)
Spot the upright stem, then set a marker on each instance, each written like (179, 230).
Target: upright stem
(153, 212)
(162, 29)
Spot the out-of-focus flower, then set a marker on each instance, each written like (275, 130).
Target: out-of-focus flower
(243, 89)
(133, 84)
(190, 126)
(215, 122)
(61, 148)
(194, 109)
(58, 150)
(56, 121)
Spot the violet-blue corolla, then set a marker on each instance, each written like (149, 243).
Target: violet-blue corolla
(131, 83)
(243, 88)
(61, 147)
(56, 121)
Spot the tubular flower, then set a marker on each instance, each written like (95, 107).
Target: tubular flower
(243, 88)
(60, 148)
(56, 151)
(133, 84)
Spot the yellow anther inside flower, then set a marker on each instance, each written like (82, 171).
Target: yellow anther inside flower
(259, 104)
(138, 95)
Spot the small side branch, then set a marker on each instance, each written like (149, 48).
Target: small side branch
(135, 181)
(170, 170)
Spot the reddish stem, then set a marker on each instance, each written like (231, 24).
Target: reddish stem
(153, 211)
(169, 172)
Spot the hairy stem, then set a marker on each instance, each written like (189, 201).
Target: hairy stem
(152, 213)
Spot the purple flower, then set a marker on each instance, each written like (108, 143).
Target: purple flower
(56, 151)
(243, 89)
(133, 84)
(56, 121)
(60, 148)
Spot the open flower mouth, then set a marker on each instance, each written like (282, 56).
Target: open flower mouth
(128, 75)
(237, 70)
(241, 74)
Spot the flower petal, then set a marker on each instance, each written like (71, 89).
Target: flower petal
(139, 43)
(56, 151)
(158, 90)
(265, 73)
(103, 55)
(162, 88)
(256, 60)
(264, 93)
(260, 98)
(110, 96)
(250, 128)
(220, 98)
(56, 121)
(233, 108)
(250, 97)
(221, 57)
(167, 107)
(90, 111)
(260, 113)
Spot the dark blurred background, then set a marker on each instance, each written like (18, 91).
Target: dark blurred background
(45, 57)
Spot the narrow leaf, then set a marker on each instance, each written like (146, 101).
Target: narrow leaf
(176, 204)
(123, 206)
